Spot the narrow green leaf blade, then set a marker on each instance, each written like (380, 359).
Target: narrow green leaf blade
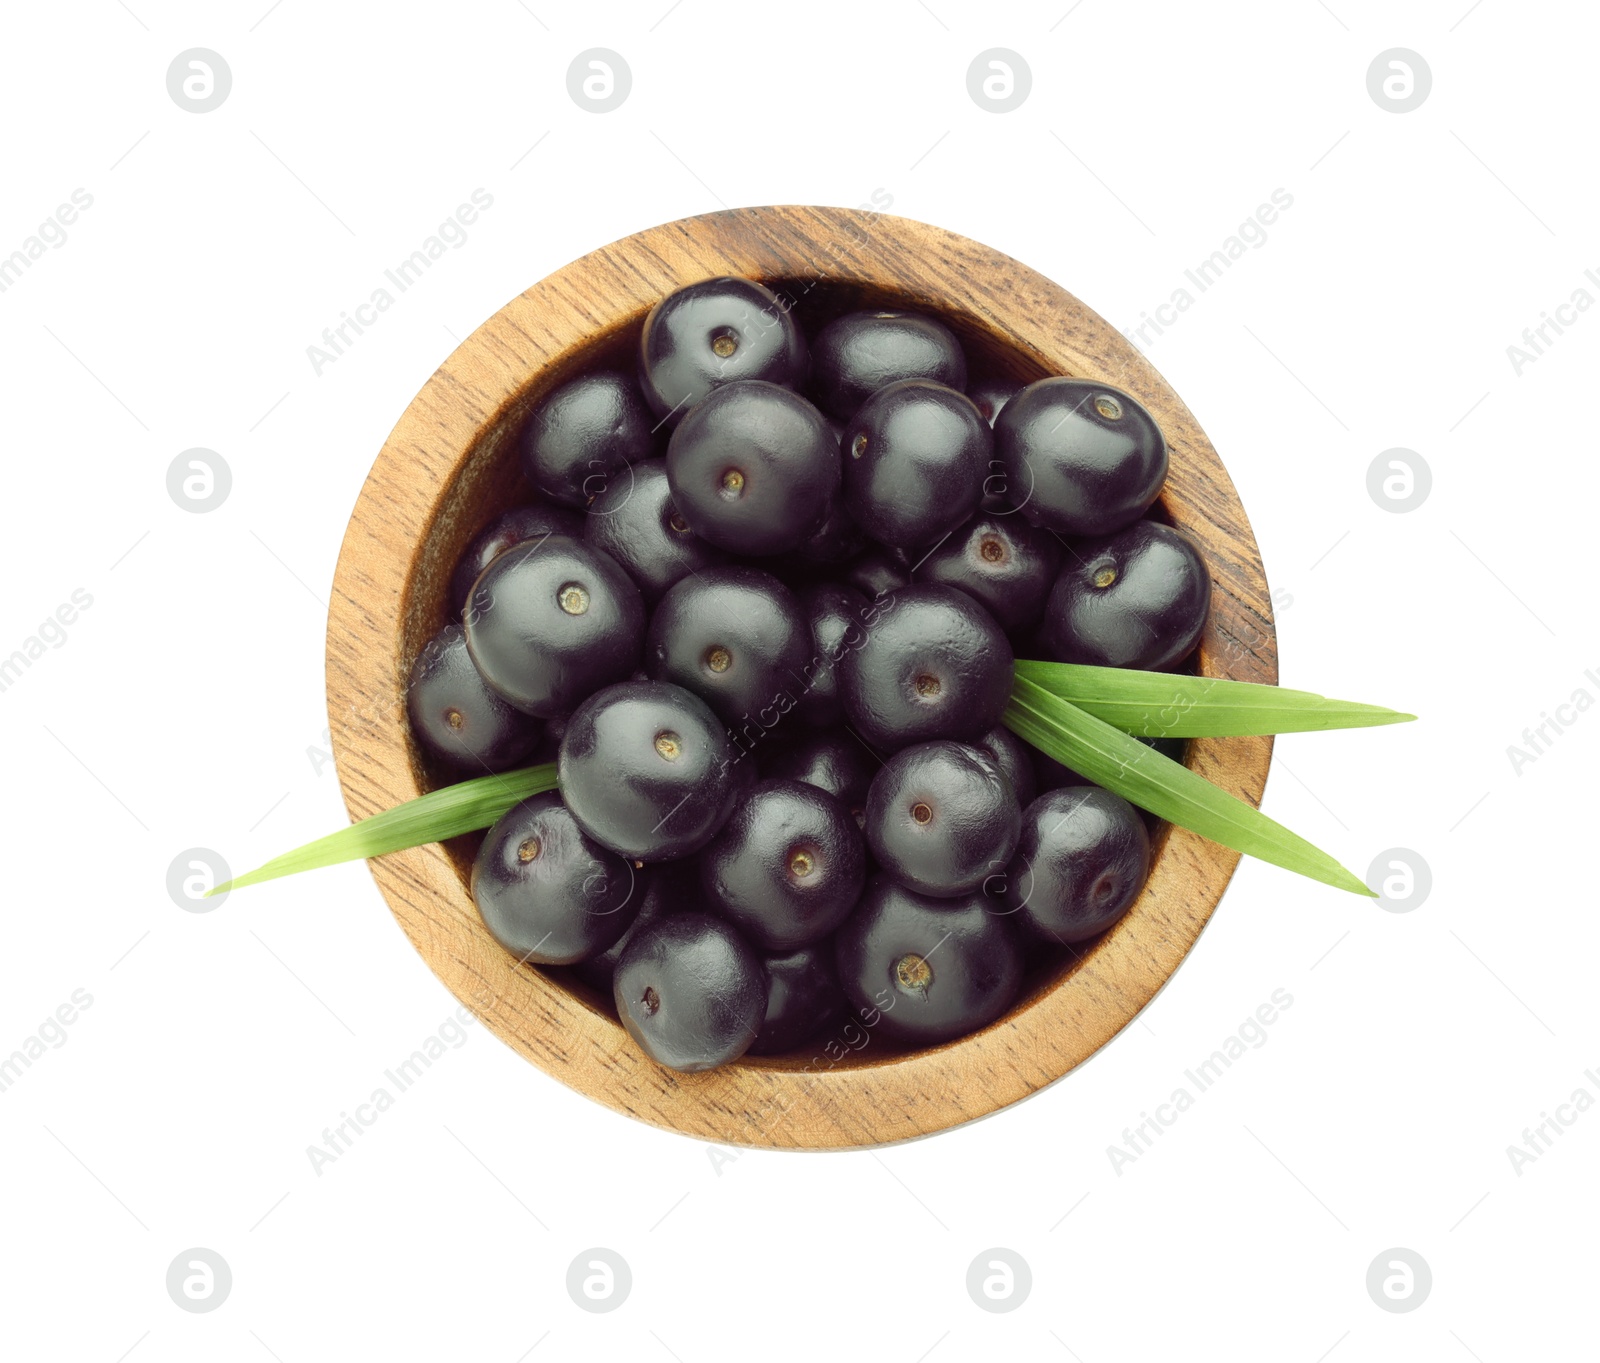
(1166, 788)
(1170, 705)
(433, 817)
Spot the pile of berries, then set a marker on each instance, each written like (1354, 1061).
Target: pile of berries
(762, 611)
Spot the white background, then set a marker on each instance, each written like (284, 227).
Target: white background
(185, 707)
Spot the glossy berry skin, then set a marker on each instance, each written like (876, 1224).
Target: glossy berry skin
(1137, 599)
(942, 818)
(733, 636)
(787, 867)
(990, 395)
(547, 892)
(877, 572)
(1081, 861)
(753, 467)
(834, 761)
(803, 997)
(634, 520)
(516, 526)
(934, 665)
(668, 888)
(853, 356)
(915, 458)
(1003, 563)
(551, 621)
(691, 992)
(457, 717)
(1015, 760)
(644, 770)
(713, 333)
(932, 969)
(836, 620)
(585, 433)
(1080, 457)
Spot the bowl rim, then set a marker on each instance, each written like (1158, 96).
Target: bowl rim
(846, 1096)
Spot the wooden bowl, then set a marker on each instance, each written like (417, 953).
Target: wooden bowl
(450, 465)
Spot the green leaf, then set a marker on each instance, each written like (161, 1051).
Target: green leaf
(433, 817)
(1080, 715)
(1169, 705)
(1166, 788)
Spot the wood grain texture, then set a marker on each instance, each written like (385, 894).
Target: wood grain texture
(450, 464)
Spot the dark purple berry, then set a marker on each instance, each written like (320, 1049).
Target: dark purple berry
(458, 717)
(736, 638)
(691, 992)
(551, 621)
(1081, 861)
(853, 356)
(753, 467)
(548, 893)
(1079, 457)
(931, 969)
(787, 867)
(1137, 599)
(915, 458)
(933, 665)
(942, 818)
(644, 770)
(583, 435)
(712, 333)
